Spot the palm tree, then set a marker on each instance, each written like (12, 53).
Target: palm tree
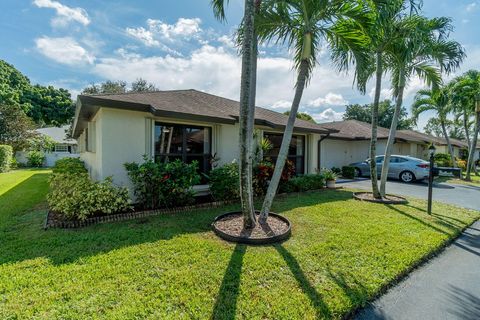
(303, 25)
(469, 86)
(383, 30)
(440, 102)
(247, 106)
(426, 52)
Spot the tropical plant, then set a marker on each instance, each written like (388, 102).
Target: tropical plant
(328, 174)
(468, 87)
(305, 25)
(438, 101)
(35, 158)
(160, 184)
(424, 50)
(248, 40)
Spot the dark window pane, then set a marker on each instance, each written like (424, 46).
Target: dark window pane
(168, 139)
(296, 150)
(198, 140)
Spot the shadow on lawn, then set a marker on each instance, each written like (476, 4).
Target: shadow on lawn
(23, 237)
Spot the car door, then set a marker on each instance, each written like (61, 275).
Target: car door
(397, 166)
(379, 161)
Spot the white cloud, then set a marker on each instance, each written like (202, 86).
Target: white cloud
(328, 115)
(281, 105)
(471, 6)
(158, 33)
(331, 99)
(384, 94)
(226, 41)
(64, 50)
(64, 13)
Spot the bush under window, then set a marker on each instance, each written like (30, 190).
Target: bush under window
(224, 182)
(348, 172)
(35, 159)
(160, 184)
(6, 157)
(303, 183)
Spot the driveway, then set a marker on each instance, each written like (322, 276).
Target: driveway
(447, 287)
(459, 195)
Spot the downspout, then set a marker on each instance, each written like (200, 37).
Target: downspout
(319, 147)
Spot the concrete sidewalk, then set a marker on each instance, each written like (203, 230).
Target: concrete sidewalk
(447, 287)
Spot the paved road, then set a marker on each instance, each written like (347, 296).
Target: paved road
(448, 287)
(459, 195)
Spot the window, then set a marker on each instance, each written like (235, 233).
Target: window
(379, 159)
(296, 151)
(183, 142)
(61, 148)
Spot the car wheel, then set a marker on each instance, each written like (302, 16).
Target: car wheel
(407, 176)
(358, 172)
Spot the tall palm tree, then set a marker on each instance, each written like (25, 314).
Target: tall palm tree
(247, 106)
(439, 101)
(383, 31)
(469, 86)
(304, 25)
(426, 52)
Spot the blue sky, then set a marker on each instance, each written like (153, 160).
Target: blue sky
(178, 44)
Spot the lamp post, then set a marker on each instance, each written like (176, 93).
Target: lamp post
(431, 152)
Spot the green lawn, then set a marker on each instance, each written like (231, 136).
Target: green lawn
(475, 180)
(342, 253)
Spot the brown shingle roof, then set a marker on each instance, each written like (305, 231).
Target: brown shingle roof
(183, 104)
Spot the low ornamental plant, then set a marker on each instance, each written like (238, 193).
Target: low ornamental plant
(443, 160)
(75, 196)
(348, 172)
(263, 172)
(329, 175)
(159, 184)
(303, 183)
(35, 158)
(6, 157)
(224, 182)
(69, 165)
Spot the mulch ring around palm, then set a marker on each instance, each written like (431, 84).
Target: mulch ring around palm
(229, 226)
(388, 199)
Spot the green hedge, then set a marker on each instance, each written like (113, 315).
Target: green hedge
(35, 159)
(303, 183)
(224, 182)
(69, 165)
(6, 157)
(348, 172)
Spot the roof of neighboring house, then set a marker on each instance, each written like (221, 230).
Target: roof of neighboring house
(358, 130)
(58, 134)
(183, 104)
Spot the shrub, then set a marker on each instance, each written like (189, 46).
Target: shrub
(263, 172)
(348, 172)
(336, 170)
(69, 165)
(303, 183)
(75, 196)
(224, 182)
(443, 160)
(462, 164)
(6, 156)
(35, 158)
(163, 184)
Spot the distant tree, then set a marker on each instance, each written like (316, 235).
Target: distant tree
(44, 105)
(302, 115)
(141, 85)
(106, 87)
(15, 127)
(386, 110)
(454, 128)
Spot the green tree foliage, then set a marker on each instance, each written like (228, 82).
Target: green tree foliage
(141, 85)
(15, 127)
(386, 111)
(115, 87)
(454, 128)
(45, 105)
(302, 115)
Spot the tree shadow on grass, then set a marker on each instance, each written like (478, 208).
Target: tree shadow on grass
(226, 302)
(316, 299)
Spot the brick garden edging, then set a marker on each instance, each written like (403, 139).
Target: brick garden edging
(50, 223)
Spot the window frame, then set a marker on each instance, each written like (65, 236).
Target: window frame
(292, 158)
(184, 154)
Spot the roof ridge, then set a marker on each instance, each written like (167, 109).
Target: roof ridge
(135, 92)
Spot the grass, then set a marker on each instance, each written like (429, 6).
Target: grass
(475, 180)
(341, 254)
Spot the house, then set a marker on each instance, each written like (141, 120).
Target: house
(114, 129)
(64, 147)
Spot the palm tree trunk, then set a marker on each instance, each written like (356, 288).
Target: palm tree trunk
(450, 148)
(287, 137)
(473, 147)
(244, 141)
(392, 134)
(373, 141)
(251, 120)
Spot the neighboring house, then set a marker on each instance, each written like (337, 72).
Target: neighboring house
(64, 147)
(183, 124)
